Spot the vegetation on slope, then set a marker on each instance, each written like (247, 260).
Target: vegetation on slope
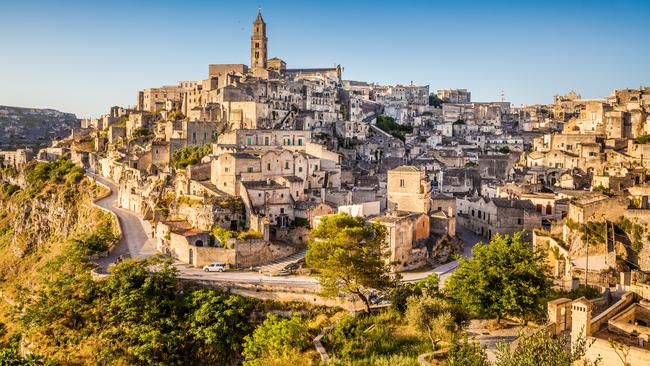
(388, 124)
(190, 155)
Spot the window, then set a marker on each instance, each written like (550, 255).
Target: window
(282, 210)
(299, 169)
(266, 140)
(286, 165)
(520, 221)
(268, 166)
(226, 170)
(249, 169)
(299, 141)
(401, 183)
(249, 140)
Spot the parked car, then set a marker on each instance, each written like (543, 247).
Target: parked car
(214, 267)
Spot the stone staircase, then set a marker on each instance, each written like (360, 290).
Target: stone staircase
(283, 266)
(289, 119)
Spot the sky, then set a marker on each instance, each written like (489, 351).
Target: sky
(85, 56)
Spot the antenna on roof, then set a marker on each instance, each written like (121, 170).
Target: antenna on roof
(503, 96)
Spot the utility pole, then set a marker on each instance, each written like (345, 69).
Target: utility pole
(587, 264)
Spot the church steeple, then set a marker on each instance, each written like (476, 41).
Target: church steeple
(259, 42)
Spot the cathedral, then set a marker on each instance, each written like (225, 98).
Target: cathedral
(261, 66)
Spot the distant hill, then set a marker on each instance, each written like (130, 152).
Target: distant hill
(33, 127)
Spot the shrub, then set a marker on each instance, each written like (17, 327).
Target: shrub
(190, 155)
(249, 235)
(388, 124)
(276, 339)
(97, 242)
(466, 353)
(222, 234)
(140, 132)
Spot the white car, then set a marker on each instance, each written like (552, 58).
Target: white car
(214, 267)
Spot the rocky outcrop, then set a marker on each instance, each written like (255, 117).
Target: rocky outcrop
(34, 219)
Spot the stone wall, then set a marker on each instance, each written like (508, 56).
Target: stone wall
(258, 251)
(601, 348)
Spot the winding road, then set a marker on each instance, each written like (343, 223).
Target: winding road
(137, 243)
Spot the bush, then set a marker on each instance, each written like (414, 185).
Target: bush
(365, 340)
(55, 172)
(98, 241)
(388, 124)
(140, 132)
(222, 234)
(276, 339)
(9, 189)
(643, 139)
(190, 155)
(466, 353)
(400, 294)
(249, 235)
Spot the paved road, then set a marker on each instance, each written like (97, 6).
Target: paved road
(135, 241)
(443, 271)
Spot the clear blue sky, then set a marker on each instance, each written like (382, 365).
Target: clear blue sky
(84, 56)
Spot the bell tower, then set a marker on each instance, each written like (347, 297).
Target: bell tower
(258, 43)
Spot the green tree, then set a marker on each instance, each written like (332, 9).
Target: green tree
(388, 124)
(435, 101)
(435, 318)
(140, 132)
(10, 355)
(503, 277)
(401, 292)
(190, 155)
(349, 256)
(216, 324)
(466, 353)
(276, 339)
(142, 316)
(542, 349)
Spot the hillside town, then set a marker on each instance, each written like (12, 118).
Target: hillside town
(239, 167)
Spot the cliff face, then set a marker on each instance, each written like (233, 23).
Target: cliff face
(39, 218)
(33, 127)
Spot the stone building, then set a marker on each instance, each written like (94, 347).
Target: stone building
(409, 190)
(16, 158)
(489, 216)
(455, 95)
(406, 234)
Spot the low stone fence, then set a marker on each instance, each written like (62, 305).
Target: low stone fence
(324, 356)
(603, 317)
(277, 292)
(550, 327)
(94, 273)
